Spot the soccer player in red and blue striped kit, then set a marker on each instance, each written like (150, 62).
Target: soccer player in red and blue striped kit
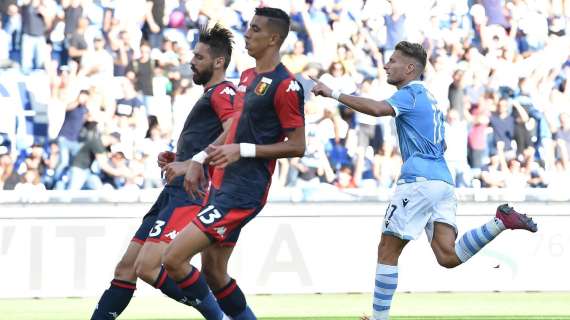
(269, 108)
(209, 120)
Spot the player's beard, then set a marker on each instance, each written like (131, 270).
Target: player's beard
(202, 77)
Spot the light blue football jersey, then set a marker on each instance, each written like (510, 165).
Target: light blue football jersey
(419, 124)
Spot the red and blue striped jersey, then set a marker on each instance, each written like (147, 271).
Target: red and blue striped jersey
(267, 105)
(204, 123)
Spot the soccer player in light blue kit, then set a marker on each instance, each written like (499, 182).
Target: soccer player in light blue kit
(424, 198)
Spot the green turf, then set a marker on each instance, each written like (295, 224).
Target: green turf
(445, 306)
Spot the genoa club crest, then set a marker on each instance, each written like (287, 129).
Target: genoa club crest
(262, 86)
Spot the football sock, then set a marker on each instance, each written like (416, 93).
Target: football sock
(195, 288)
(472, 241)
(114, 300)
(232, 301)
(169, 287)
(384, 288)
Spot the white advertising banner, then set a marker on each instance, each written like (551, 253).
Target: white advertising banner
(63, 250)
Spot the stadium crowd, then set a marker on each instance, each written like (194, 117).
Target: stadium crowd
(92, 90)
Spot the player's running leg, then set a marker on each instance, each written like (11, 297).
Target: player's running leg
(149, 268)
(192, 283)
(386, 280)
(115, 299)
(450, 253)
(229, 295)
(171, 220)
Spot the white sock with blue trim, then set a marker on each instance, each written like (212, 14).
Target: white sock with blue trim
(386, 283)
(472, 241)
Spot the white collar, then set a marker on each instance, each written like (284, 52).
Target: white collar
(422, 83)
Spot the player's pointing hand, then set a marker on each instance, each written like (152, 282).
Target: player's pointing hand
(223, 155)
(320, 89)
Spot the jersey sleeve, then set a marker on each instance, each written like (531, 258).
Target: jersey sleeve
(289, 104)
(222, 101)
(402, 101)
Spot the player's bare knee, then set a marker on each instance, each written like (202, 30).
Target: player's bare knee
(388, 254)
(170, 261)
(145, 270)
(447, 258)
(447, 262)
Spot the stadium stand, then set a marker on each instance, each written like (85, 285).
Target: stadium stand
(72, 71)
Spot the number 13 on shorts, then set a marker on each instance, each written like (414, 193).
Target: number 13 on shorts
(209, 215)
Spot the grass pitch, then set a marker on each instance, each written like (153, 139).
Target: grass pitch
(445, 306)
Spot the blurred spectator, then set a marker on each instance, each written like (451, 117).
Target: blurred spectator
(8, 176)
(456, 152)
(69, 135)
(395, 26)
(563, 140)
(154, 22)
(477, 140)
(76, 43)
(36, 20)
(123, 54)
(121, 175)
(503, 124)
(5, 43)
(345, 178)
(296, 61)
(51, 163)
(493, 174)
(30, 183)
(97, 63)
(152, 145)
(141, 71)
(83, 174)
(369, 131)
(387, 164)
(314, 166)
(304, 78)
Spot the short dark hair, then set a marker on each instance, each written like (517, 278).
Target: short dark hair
(413, 50)
(220, 40)
(279, 20)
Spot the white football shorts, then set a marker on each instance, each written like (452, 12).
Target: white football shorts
(417, 206)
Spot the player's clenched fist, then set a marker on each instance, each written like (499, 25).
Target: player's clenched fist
(165, 158)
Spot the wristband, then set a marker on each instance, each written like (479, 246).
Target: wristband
(336, 94)
(247, 150)
(200, 157)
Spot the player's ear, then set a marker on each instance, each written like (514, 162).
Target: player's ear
(219, 62)
(275, 39)
(411, 68)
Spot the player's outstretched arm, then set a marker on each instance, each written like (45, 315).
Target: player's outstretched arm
(294, 146)
(360, 104)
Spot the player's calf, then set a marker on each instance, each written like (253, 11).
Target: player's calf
(116, 298)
